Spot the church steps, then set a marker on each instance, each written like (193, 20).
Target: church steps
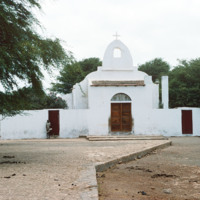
(130, 137)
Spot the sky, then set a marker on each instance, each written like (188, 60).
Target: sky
(168, 29)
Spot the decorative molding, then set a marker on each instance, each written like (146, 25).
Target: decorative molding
(117, 83)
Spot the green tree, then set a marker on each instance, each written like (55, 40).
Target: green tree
(155, 68)
(184, 84)
(70, 75)
(23, 52)
(32, 101)
(89, 65)
(53, 101)
(74, 73)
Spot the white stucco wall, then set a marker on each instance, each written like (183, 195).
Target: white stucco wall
(29, 125)
(32, 124)
(98, 121)
(158, 122)
(165, 92)
(196, 122)
(73, 123)
(167, 122)
(69, 99)
(142, 97)
(80, 95)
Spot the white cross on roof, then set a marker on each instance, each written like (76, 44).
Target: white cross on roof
(116, 35)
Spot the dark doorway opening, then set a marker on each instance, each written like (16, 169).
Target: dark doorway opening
(187, 122)
(55, 122)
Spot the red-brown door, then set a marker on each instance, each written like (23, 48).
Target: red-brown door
(54, 120)
(115, 117)
(121, 117)
(187, 122)
(126, 117)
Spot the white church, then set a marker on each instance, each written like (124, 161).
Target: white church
(117, 99)
(116, 93)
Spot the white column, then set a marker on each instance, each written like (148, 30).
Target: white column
(73, 97)
(165, 92)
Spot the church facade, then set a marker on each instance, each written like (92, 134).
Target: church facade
(116, 93)
(117, 99)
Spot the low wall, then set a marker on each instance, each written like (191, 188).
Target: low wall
(167, 122)
(32, 124)
(73, 123)
(29, 125)
(158, 122)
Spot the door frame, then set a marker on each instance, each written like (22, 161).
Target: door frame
(187, 122)
(131, 126)
(55, 123)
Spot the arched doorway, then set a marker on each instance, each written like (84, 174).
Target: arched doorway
(121, 118)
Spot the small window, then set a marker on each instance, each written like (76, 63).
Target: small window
(117, 53)
(121, 97)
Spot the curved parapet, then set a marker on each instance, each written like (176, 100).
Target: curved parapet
(117, 57)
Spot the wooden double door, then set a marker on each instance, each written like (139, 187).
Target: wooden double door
(121, 120)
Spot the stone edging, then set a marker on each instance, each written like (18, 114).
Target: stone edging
(92, 193)
(104, 166)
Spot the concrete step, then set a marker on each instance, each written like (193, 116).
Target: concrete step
(130, 137)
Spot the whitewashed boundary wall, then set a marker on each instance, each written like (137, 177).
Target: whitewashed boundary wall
(74, 122)
(32, 124)
(29, 125)
(167, 122)
(159, 122)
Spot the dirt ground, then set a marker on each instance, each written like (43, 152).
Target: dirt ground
(58, 169)
(168, 174)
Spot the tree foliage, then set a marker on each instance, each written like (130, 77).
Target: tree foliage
(155, 68)
(89, 65)
(53, 101)
(23, 52)
(70, 75)
(45, 101)
(74, 73)
(184, 80)
(26, 98)
(184, 84)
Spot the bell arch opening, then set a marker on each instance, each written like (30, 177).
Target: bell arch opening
(117, 53)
